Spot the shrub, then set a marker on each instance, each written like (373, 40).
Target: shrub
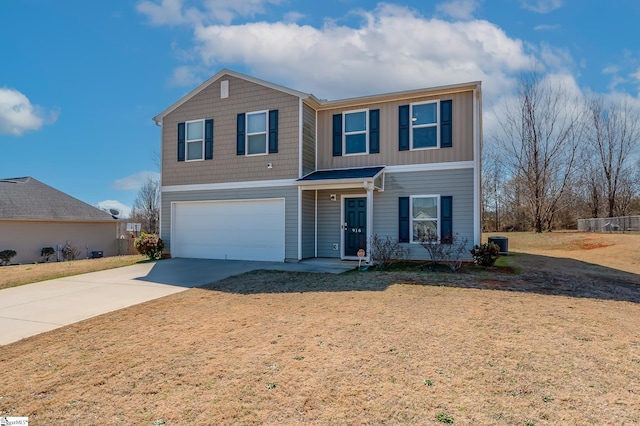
(6, 256)
(383, 251)
(69, 252)
(46, 253)
(447, 253)
(485, 254)
(149, 245)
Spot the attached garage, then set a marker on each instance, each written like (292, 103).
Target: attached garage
(234, 230)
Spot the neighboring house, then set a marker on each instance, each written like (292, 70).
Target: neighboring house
(34, 215)
(256, 171)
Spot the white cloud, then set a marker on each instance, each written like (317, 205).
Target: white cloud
(293, 16)
(636, 74)
(106, 205)
(556, 58)
(542, 6)
(18, 115)
(135, 181)
(546, 27)
(185, 76)
(458, 9)
(611, 69)
(174, 12)
(339, 61)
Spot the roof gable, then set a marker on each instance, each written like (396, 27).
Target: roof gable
(26, 198)
(225, 72)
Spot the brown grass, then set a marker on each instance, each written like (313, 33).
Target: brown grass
(12, 276)
(615, 250)
(556, 344)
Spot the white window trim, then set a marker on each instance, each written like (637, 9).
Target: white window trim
(247, 134)
(420, 126)
(187, 141)
(345, 134)
(411, 219)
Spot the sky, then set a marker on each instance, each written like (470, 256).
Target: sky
(81, 80)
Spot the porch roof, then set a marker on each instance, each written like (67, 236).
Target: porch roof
(340, 178)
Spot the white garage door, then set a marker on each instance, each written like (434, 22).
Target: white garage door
(237, 230)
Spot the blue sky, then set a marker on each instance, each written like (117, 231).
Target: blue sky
(81, 80)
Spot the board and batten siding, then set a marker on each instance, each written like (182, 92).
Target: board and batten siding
(390, 155)
(289, 193)
(308, 139)
(226, 165)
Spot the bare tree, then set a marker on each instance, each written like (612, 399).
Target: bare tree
(539, 137)
(492, 189)
(146, 206)
(613, 135)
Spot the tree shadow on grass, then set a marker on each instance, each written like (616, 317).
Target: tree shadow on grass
(537, 274)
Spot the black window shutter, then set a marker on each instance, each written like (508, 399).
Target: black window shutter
(208, 139)
(374, 131)
(446, 220)
(181, 142)
(446, 115)
(273, 131)
(403, 220)
(240, 139)
(337, 135)
(403, 127)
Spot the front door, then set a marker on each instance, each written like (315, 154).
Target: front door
(355, 225)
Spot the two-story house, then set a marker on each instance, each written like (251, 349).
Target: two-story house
(252, 170)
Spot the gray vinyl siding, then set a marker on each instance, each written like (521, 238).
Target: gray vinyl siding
(329, 216)
(390, 155)
(289, 193)
(456, 183)
(308, 139)
(308, 224)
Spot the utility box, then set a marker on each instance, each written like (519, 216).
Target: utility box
(502, 243)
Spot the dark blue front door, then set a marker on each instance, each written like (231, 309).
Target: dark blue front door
(355, 225)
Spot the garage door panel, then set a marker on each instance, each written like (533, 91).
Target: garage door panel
(239, 230)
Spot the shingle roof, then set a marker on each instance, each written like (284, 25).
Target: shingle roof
(29, 199)
(357, 173)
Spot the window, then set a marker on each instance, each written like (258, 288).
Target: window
(195, 140)
(355, 132)
(424, 125)
(257, 125)
(257, 133)
(425, 211)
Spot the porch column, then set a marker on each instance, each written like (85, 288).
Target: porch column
(369, 187)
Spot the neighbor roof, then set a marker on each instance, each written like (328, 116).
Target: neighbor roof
(26, 198)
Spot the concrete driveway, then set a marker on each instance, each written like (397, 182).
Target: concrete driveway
(35, 308)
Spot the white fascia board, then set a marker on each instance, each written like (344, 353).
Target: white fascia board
(451, 165)
(334, 183)
(228, 185)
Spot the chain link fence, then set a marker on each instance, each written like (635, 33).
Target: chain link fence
(610, 224)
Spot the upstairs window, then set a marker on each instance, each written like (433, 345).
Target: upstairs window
(424, 125)
(355, 132)
(257, 124)
(257, 133)
(195, 140)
